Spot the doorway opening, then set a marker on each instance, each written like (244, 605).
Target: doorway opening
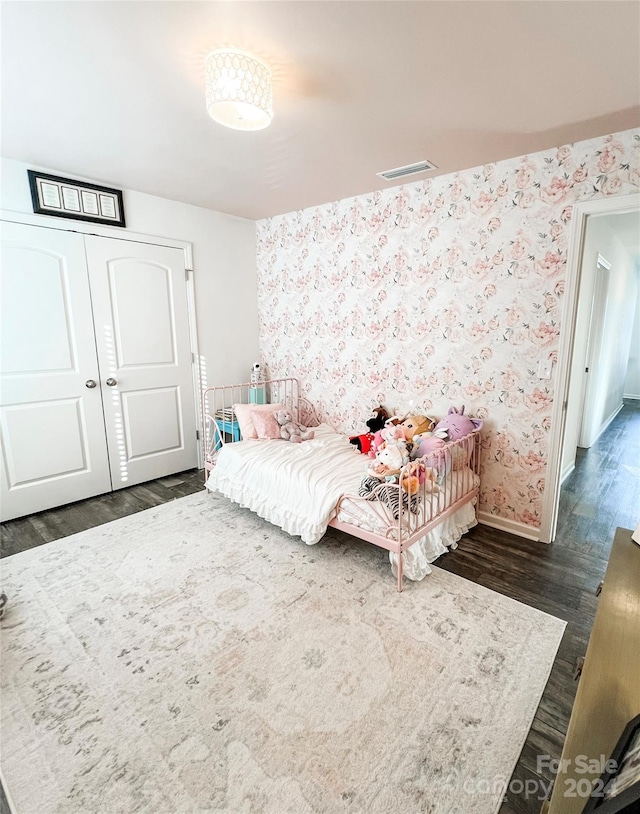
(605, 367)
(596, 423)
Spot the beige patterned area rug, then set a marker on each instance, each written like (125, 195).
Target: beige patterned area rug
(193, 658)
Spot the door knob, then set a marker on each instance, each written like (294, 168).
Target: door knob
(112, 382)
(90, 383)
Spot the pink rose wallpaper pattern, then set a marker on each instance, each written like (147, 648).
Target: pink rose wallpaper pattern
(445, 291)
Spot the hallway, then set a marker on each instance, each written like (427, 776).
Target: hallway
(603, 492)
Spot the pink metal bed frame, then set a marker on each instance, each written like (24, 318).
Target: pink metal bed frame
(402, 531)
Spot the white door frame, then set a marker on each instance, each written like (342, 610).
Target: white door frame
(617, 205)
(597, 319)
(124, 234)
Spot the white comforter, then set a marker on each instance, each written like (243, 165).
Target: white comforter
(297, 486)
(294, 486)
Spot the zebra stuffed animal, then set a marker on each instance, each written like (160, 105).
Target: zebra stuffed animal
(381, 481)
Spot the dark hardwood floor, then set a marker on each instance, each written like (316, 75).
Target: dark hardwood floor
(601, 494)
(36, 529)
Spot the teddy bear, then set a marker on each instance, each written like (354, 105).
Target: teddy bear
(375, 422)
(290, 430)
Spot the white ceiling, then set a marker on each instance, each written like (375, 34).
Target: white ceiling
(114, 91)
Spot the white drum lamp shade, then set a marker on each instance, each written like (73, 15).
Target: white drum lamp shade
(239, 93)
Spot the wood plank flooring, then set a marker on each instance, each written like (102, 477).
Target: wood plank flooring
(601, 494)
(36, 529)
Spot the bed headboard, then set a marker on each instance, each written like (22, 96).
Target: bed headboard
(219, 422)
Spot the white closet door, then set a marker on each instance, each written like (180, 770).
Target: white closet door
(51, 422)
(142, 333)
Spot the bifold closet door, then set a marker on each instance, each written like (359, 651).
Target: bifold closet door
(54, 449)
(142, 335)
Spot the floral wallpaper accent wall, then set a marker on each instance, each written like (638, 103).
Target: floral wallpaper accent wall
(445, 291)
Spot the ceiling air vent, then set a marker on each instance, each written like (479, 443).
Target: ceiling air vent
(410, 169)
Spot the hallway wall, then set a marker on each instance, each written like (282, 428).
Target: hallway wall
(632, 380)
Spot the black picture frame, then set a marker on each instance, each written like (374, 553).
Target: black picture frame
(611, 794)
(76, 200)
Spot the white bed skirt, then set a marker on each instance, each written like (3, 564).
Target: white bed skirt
(293, 486)
(297, 487)
(444, 537)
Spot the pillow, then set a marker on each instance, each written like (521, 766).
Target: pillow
(265, 424)
(243, 417)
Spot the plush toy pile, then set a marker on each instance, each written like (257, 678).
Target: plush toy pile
(405, 455)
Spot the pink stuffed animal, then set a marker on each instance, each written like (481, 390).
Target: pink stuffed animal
(390, 432)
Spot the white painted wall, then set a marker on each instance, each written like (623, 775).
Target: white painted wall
(224, 255)
(611, 371)
(632, 380)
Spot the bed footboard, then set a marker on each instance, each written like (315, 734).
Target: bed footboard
(429, 490)
(391, 515)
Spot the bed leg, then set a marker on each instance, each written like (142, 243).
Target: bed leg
(400, 569)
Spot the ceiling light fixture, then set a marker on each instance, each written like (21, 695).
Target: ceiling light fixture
(239, 92)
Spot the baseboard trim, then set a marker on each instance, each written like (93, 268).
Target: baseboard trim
(606, 424)
(631, 396)
(566, 474)
(511, 526)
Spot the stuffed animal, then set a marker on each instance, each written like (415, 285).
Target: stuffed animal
(417, 475)
(457, 424)
(429, 450)
(390, 432)
(375, 423)
(290, 430)
(389, 461)
(416, 425)
(454, 426)
(381, 480)
(428, 443)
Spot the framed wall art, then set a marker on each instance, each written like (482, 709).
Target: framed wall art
(66, 198)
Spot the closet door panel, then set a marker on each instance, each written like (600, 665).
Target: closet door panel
(142, 333)
(51, 425)
(143, 313)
